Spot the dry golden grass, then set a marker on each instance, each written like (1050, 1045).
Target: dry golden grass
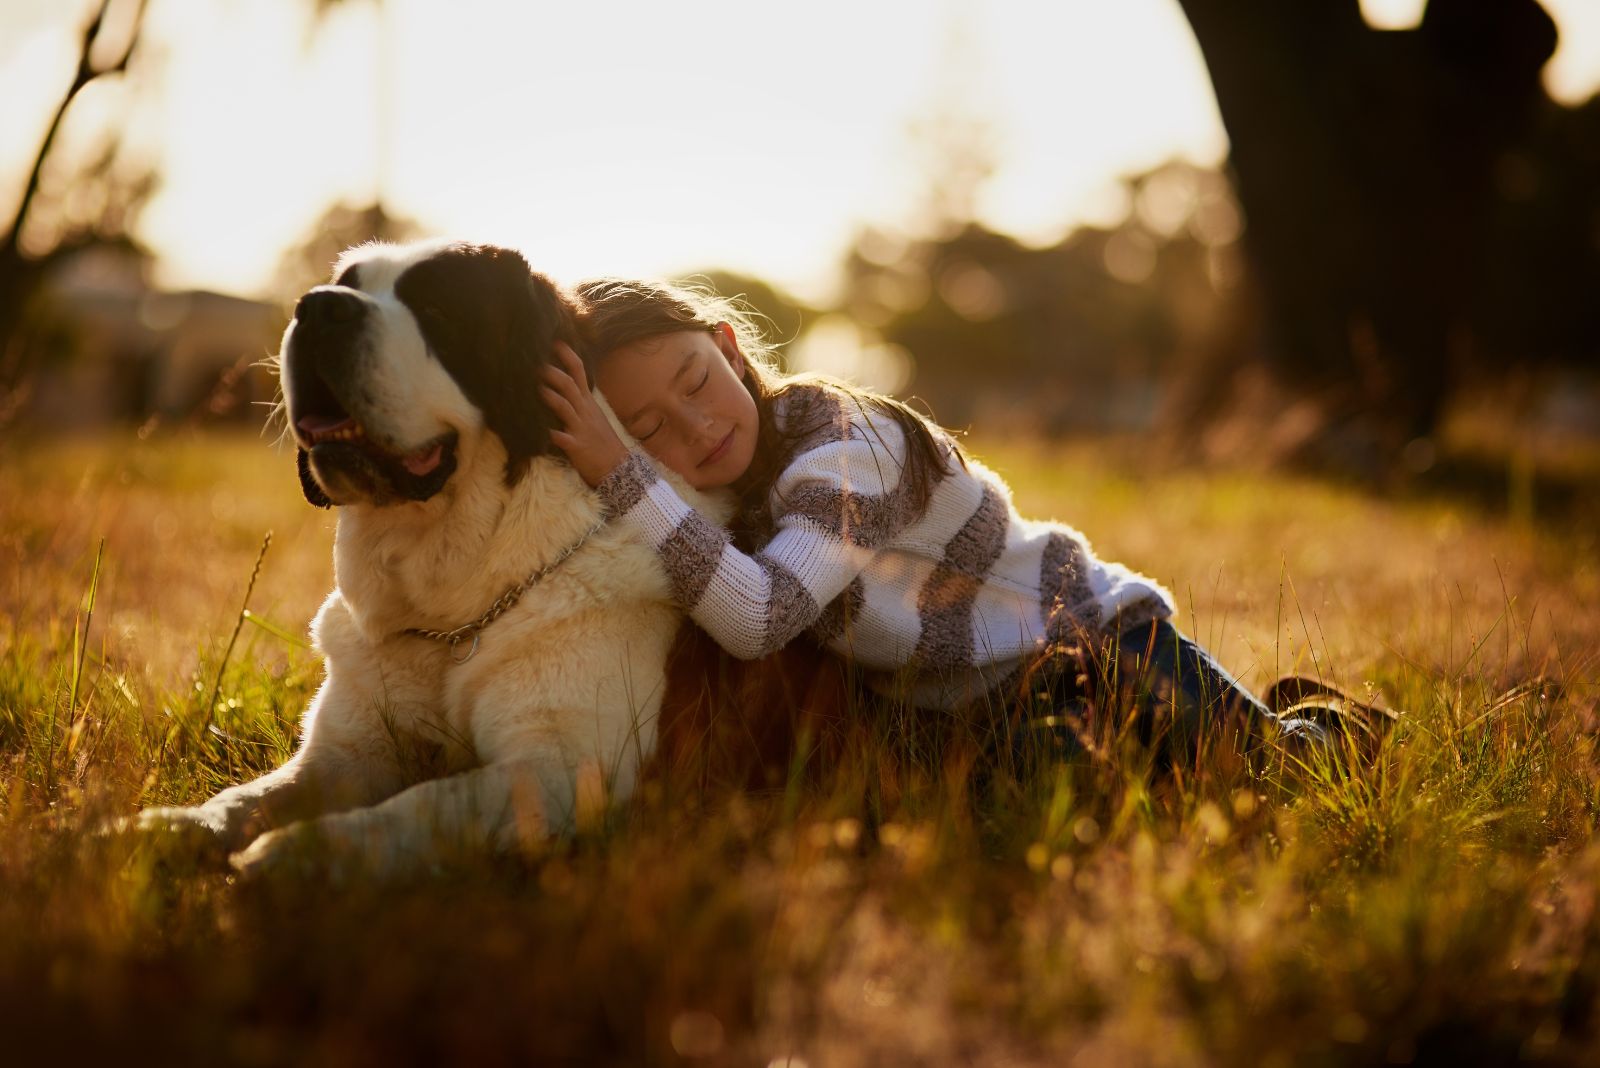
(894, 909)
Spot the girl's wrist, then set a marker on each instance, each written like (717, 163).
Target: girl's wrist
(604, 466)
(624, 484)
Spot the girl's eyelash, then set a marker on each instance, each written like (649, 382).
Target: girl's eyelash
(702, 385)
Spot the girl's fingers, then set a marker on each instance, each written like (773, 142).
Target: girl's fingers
(574, 389)
(562, 383)
(557, 384)
(559, 406)
(573, 365)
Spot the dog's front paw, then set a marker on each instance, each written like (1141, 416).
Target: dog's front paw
(296, 852)
(179, 839)
(278, 852)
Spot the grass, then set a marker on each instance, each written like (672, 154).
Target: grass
(895, 906)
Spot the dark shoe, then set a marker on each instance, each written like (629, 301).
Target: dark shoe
(1296, 698)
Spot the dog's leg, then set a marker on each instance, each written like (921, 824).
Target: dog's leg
(346, 760)
(535, 786)
(509, 807)
(312, 782)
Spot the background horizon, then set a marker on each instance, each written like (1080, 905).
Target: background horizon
(703, 139)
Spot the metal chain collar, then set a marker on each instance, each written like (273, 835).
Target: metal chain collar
(501, 606)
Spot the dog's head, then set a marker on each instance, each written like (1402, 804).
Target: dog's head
(411, 353)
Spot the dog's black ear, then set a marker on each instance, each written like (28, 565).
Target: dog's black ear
(308, 484)
(491, 321)
(540, 314)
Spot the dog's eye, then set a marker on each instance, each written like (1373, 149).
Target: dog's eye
(439, 327)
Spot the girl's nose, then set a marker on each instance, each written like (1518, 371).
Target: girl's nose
(703, 424)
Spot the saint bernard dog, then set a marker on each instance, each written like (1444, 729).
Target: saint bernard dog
(482, 611)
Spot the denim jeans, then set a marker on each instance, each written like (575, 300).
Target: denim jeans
(1150, 681)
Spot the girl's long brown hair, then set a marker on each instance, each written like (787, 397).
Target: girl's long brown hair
(615, 312)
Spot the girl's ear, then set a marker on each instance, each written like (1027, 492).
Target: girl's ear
(728, 342)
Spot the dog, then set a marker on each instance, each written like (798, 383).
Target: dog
(483, 611)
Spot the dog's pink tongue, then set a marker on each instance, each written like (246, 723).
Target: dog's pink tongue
(420, 463)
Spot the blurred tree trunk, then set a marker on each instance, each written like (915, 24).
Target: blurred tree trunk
(21, 273)
(1365, 163)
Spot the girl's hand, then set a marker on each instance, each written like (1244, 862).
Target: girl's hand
(588, 439)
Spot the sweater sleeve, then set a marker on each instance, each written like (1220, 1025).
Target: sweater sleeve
(835, 505)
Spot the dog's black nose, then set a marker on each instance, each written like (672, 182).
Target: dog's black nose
(329, 306)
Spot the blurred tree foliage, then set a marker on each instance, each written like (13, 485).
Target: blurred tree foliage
(1068, 337)
(310, 262)
(65, 209)
(70, 206)
(1419, 210)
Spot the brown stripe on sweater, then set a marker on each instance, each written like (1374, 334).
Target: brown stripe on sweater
(865, 519)
(791, 608)
(944, 604)
(811, 415)
(690, 555)
(626, 485)
(1057, 554)
(841, 612)
(1064, 587)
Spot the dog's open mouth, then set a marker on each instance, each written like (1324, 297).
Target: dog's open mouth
(319, 429)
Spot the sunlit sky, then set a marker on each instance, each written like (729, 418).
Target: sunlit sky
(633, 138)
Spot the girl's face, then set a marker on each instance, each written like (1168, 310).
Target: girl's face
(683, 396)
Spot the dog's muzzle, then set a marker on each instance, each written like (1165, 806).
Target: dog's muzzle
(326, 359)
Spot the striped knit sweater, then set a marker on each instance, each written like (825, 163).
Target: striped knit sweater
(952, 599)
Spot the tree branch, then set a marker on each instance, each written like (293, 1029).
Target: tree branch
(86, 73)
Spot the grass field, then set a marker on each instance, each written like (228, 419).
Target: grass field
(1436, 907)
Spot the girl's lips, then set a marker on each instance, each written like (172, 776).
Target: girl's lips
(716, 453)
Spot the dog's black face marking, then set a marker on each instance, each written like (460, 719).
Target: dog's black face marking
(491, 321)
(308, 483)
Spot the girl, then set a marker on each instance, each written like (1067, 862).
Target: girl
(865, 525)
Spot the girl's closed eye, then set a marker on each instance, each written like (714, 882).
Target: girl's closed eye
(651, 434)
(703, 380)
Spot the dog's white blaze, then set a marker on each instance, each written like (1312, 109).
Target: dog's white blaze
(413, 397)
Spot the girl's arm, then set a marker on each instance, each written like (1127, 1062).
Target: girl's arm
(754, 604)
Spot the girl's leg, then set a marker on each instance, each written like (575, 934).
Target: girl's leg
(1150, 680)
(1179, 694)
